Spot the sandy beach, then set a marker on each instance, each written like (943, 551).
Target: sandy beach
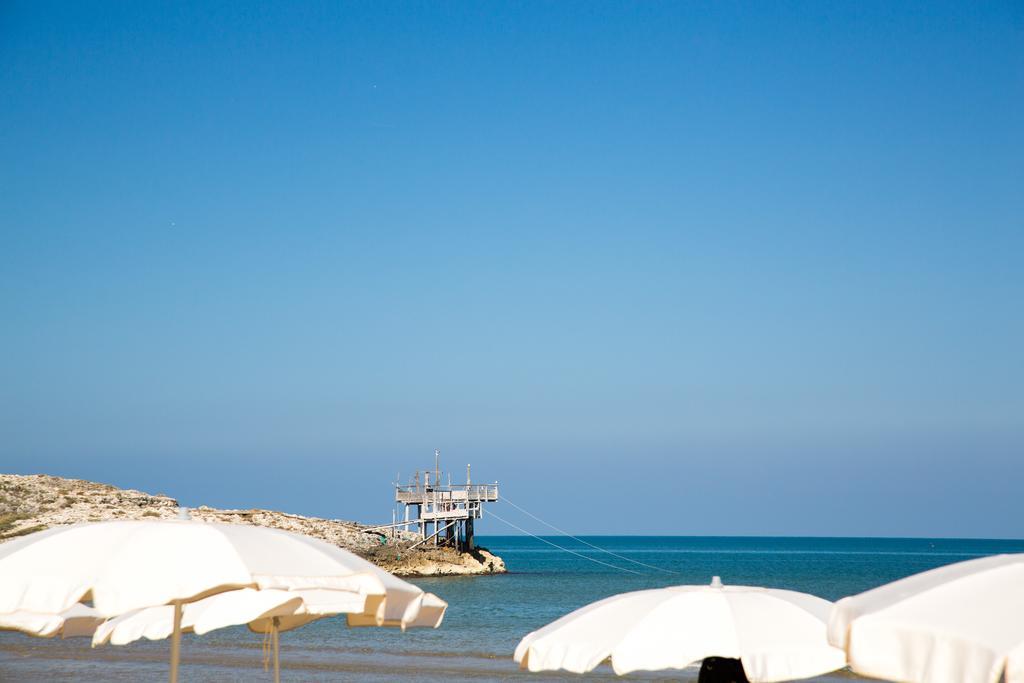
(224, 662)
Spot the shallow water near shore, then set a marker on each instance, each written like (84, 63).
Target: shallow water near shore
(489, 614)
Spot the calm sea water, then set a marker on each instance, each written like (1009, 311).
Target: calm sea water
(489, 614)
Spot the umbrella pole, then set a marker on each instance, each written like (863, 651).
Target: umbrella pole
(277, 647)
(176, 642)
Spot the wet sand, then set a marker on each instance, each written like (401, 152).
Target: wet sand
(28, 659)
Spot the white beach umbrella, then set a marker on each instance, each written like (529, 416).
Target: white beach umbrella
(259, 610)
(263, 610)
(961, 622)
(777, 634)
(123, 566)
(128, 565)
(217, 611)
(78, 620)
(268, 611)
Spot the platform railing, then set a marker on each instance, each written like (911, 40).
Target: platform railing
(473, 491)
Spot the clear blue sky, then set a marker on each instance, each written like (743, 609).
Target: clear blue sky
(760, 264)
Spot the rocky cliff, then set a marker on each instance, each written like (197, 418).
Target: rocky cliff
(35, 502)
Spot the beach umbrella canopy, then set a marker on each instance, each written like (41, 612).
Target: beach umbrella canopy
(217, 611)
(78, 620)
(122, 566)
(263, 611)
(430, 613)
(245, 605)
(777, 634)
(961, 622)
(268, 611)
(128, 565)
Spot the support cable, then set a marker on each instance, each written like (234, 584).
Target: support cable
(491, 513)
(580, 540)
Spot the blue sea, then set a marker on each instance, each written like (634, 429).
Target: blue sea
(489, 614)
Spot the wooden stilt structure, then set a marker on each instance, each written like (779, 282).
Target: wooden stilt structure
(442, 513)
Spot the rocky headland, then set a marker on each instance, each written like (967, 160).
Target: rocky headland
(34, 502)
